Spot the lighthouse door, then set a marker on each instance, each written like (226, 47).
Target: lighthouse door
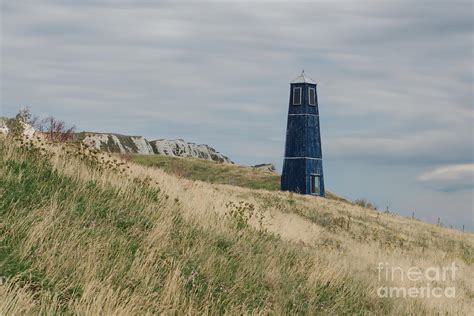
(315, 184)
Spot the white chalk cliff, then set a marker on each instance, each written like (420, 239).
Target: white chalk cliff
(139, 145)
(3, 127)
(123, 144)
(182, 148)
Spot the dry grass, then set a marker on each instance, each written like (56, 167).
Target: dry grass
(84, 234)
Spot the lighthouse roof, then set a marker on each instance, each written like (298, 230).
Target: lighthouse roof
(303, 78)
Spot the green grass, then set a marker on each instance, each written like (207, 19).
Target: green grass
(214, 172)
(211, 171)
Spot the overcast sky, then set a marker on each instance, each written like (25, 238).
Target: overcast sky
(395, 84)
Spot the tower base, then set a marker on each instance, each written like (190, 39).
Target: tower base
(303, 176)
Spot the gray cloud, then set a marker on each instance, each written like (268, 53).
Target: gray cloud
(395, 77)
(450, 178)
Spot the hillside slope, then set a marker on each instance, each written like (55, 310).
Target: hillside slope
(211, 171)
(85, 234)
(254, 177)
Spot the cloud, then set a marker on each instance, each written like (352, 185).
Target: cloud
(394, 77)
(388, 145)
(450, 178)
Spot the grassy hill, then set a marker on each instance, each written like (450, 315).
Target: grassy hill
(211, 171)
(214, 172)
(85, 233)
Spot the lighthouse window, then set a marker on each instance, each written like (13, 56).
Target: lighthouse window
(312, 96)
(315, 185)
(297, 96)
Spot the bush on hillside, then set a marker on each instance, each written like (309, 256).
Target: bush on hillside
(55, 130)
(16, 125)
(365, 203)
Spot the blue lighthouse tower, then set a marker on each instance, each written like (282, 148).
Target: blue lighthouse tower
(303, 164)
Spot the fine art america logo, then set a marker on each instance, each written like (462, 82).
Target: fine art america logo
(432, 281)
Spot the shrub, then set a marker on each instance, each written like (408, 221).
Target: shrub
(55, 130)
(365, 203)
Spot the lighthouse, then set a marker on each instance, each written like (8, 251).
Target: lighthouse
(303, 164)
